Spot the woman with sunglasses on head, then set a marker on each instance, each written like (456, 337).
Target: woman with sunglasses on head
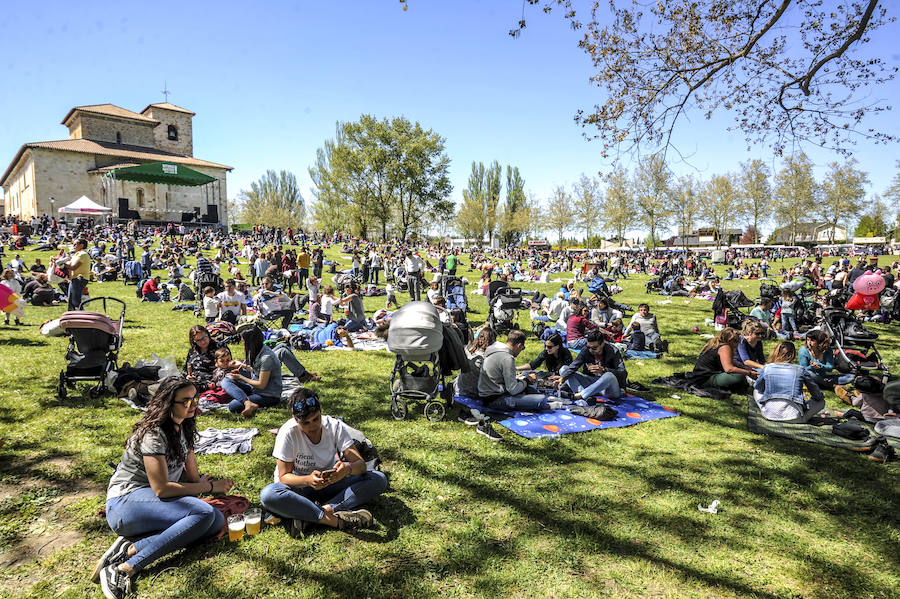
(152, 494)
(318, 465)
(200, 364)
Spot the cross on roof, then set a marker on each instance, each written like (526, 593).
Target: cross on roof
(165, 91)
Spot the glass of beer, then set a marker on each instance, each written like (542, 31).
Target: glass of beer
(253, 520)
(235, 527)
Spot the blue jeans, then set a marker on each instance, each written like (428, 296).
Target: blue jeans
(605, 385)
(529, 399)
(76, 291)
(171, 523)
(355, 325)
(789, 322)
(577, 344)
(242, 392)
(286, 356)
(299, 502)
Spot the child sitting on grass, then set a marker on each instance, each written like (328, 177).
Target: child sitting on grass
(868, 396)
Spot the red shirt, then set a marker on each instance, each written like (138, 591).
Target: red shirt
(576, 327)
(149, 286)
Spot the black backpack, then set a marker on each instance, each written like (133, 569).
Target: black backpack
(892, 394)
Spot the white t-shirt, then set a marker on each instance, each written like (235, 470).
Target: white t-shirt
(231, 303)
(328, 303)
(291, 445)
(210, 306)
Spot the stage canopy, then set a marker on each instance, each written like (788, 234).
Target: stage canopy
(161, 172)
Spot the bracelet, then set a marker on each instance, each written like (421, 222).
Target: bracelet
(210, 486)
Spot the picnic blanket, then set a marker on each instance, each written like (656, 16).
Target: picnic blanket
(225, 441)
(362, 341)
(808, 433)
(552, 423)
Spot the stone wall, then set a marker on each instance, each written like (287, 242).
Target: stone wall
(183, 121)
(104, 128)
(20, 188)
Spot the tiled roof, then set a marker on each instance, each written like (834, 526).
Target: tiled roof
(89, 146)
(168, 106)
(109, 110)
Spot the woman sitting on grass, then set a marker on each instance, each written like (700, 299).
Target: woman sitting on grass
(750, 348)
(817, 357)
(779, 389)
(555, 355)
(152, 494)
(320, 476)
(715, 366)
(262, 388)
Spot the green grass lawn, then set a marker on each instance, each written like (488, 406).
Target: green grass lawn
(605, 513)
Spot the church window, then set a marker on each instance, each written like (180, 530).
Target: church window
(118, 137)
(173, 133)
(140, 198)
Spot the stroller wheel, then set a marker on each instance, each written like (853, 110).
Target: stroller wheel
(399, 409)
(435, 411)
(61, 390)
(95, 392)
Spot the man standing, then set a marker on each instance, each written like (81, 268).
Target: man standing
(79, 273)
(302, 266)
(451, 263)
(413, 274)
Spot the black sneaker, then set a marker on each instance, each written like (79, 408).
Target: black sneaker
(468, 420)
(115, 583)
(115, 555)
(296, 527)
(485, 428)
(352, 520)
(882, 452)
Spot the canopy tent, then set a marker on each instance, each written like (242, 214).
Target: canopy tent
(84, 205)
(170, 174)
(161, 172)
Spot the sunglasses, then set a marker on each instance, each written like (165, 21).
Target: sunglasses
(311, 402)
(189, 402)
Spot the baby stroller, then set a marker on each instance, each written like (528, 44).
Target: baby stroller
(503, 304)
(208, 279)
(454, 291)
(94, 343)
(400, 278)
(342, 279)
(728, 308)
(416, 336)
(854, 345)
(132, 272)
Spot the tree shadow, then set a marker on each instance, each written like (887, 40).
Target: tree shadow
(22, 342)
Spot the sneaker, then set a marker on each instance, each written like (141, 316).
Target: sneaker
(296, 527)
(352, 520)
(882, 452)
(485, 428)
(115, 555)
(115, 583)
(555, 405)
(468, 420)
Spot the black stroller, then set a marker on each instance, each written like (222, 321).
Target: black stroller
(94, 342)
(208, 279)
(728, 308)
(416, 336)
(400, 279)
(854, 345)
(504, 302)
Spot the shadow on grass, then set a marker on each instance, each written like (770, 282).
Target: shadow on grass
(22, 342)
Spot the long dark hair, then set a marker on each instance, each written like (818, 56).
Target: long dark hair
(199, 328)
(159, 415)
(253, 343)
(562, 357)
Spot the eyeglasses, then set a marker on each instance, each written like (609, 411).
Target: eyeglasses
(311, 401)
(189, 402)
(549, 346)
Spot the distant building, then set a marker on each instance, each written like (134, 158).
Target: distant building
(705, 237)
(809, 234)
(104, 137)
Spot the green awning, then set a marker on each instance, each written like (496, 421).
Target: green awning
(162, 172)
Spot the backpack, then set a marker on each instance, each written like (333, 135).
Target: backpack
(892, 394)
(140, 288)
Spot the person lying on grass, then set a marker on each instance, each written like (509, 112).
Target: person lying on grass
(152, 494)
(318, 465)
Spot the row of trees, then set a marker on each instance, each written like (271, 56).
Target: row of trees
(482, 216)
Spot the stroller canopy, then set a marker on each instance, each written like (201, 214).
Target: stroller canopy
(415, 331)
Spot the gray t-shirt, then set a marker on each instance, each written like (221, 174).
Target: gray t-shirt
(268, 361)
(356, 308)
(130, 474)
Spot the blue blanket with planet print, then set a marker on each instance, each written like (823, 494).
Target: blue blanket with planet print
(552, 423)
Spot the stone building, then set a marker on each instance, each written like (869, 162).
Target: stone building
(46, 175)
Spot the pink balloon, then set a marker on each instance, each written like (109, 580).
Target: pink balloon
(871, 283)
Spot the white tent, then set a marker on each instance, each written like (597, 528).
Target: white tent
(84, 205)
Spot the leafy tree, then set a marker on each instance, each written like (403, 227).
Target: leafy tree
(588, 204)
(685, 206)
(620, 212)
(513, 220)
(471, 219)
(757, 192)
(720, 198)
(843, 194)
(492, 189)
(893, 192)
(274, 200)
(652, 195)
(786, 70)
(751, 235)
(560, 214)
(872, 223)
(796, 194)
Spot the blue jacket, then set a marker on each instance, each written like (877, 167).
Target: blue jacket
(785, 381)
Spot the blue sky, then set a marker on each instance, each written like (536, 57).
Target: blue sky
(268, 83)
